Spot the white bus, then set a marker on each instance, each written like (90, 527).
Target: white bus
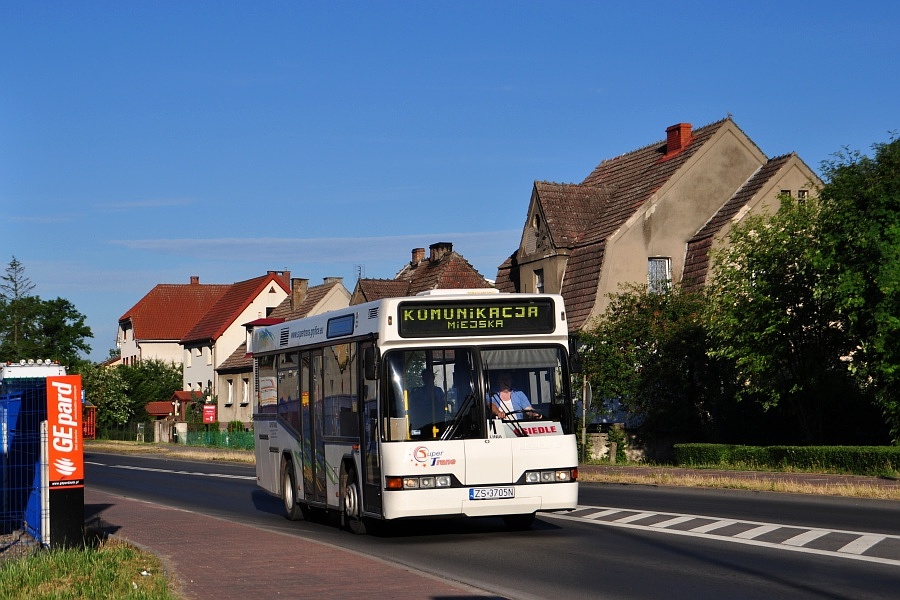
(383, 410)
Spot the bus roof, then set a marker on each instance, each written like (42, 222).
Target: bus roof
(449, 316)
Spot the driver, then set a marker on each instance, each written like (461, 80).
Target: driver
(510, 403)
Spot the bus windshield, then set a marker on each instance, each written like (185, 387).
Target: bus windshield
(449, 393)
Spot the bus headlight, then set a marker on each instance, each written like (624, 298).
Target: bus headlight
(551, 476)
(419, 483)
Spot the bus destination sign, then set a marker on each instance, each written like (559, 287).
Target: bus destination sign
(475, 317)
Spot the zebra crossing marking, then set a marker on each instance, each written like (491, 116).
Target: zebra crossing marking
(865, 545)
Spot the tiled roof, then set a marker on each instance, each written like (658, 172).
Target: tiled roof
(229, 306)
(159, 409)
(169, 310)
(162, 408)
(376, 289)
(696, 264)
(314, 295)
(508, 275)
(239, 361)
(450, 271)
(567, 207)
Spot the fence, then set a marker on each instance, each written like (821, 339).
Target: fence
(235, 440)
(146, 432)
(134, 431)
(23, 406)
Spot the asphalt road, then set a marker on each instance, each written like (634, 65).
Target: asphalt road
(625, 541)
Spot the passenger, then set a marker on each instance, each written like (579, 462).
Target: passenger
(511, 403)
(426, 403)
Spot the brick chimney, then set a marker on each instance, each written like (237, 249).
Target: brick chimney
(677, 137)
(418, 255)
(195, 280)
(330, 280)
(439, 250)
(284, 276)
(299, 288)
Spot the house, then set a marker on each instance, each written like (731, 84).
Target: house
(442, 269)
(235, 374)
(219, 331)
(650, 216)
(153, 328)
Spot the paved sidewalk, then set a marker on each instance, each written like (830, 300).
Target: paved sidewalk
(212, 558)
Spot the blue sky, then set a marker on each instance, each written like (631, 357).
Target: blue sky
(146, 142)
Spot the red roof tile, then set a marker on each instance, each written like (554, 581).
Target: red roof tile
(169, 311)
(229, 306)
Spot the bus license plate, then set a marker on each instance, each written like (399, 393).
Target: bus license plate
(491, 493)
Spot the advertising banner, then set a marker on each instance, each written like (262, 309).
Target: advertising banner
(64, 429)
(209, 413)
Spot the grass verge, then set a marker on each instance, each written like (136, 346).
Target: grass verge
(110, 570)
(763, 484)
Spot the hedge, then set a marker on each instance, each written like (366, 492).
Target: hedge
(857, 460)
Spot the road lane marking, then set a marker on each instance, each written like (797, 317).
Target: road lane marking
(713, 526)
(864, 547)
(671, 522)
(757, 531)
(636, 517)
(862, 544)
(174, 472)
(805, 537)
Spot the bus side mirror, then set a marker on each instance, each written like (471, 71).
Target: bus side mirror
(370, 361)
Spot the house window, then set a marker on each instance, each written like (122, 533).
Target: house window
(229, 398)
(539, 281)
(208, 353)
(802, 195)
(245, 392)
(785, 192)
(659, 275)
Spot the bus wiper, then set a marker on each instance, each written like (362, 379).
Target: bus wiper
(464, 409)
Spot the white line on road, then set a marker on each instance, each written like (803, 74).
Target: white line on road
(218, 475)
(854, 550)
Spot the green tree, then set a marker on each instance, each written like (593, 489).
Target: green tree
(767, 316)
(35, 328)
(106, 389)
(122, 393)
(648, 351)
(15, 289)
(861, 257)
(149, 381)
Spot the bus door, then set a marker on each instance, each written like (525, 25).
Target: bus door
(312, 394)
(369, 456)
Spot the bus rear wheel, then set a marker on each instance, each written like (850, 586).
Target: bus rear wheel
(352, 505)
(292, 509)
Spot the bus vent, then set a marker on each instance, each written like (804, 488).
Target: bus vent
(285, 336)
(373, 313)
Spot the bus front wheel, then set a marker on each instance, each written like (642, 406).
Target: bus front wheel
(292, 510)
(352, 504)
